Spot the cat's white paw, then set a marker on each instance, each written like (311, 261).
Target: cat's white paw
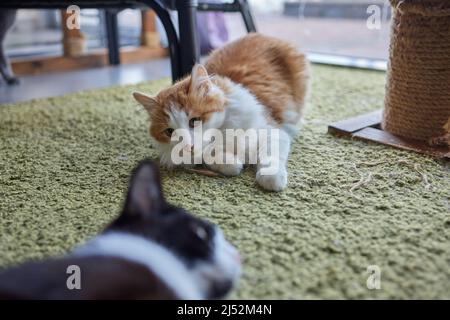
(227, 169)
(273, 182)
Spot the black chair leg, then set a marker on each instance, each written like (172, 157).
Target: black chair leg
(189, 42)
(112, 31)
(174, 48)
(247, 15)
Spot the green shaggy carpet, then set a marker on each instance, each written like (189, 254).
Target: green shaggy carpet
(65, 161)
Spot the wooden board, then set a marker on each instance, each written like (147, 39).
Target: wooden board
(368, 128)
(384, 137)
(97, 58)
(345, 127)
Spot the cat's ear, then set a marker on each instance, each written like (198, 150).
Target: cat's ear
(145, 195)
(200, 80)
(147, 101)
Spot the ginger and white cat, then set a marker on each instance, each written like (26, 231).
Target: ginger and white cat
(257, 82)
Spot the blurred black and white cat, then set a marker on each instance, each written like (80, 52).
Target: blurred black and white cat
(152, 250)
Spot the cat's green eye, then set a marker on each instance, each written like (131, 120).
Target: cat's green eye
(168, 132)
(193, 120)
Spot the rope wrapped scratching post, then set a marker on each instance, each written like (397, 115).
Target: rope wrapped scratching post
(417, 102)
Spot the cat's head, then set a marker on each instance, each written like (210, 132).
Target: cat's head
(211, 260)
(195, 100)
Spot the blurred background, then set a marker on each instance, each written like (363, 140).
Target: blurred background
(341, 32)
(336, 27)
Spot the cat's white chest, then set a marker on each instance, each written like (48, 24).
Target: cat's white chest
(243, 110)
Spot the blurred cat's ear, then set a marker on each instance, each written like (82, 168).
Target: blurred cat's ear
(147, 101)
(145, 195)
(200, 80)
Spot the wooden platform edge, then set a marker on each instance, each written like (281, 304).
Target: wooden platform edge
(368, 128)
(347, 126)
(93, 59)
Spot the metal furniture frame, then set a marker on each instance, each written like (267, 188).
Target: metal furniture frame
(184, 47)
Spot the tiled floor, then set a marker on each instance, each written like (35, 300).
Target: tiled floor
(49, 85)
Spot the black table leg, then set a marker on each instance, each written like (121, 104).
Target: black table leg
(112, 31)
(174, 48)
(189, 43)
(247, 15)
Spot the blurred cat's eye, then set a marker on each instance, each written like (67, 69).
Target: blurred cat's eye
(168, 132)
(201, 233)
(193, 120)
